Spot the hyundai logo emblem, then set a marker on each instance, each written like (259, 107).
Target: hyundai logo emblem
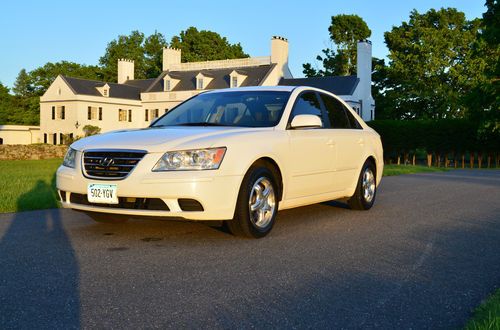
(106, 161)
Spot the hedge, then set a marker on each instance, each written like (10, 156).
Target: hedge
(443, 141)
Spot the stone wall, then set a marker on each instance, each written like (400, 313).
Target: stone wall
(31, 151)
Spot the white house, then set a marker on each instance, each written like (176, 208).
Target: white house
(69, 104)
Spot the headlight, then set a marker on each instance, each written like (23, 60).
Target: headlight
(70, 158)
(200, 159)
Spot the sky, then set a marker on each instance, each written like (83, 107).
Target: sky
(37, 32)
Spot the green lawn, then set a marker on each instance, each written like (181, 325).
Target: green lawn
(28, 184)
(486, 316)
(390, 170)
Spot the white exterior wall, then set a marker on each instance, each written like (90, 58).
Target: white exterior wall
(19, 134)
(363, 92)
(76, 111)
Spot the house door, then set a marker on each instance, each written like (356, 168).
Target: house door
(1, 141)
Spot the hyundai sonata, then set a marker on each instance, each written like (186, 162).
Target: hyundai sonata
(237, 155)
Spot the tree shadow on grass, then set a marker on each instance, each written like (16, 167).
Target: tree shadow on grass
(39, 271)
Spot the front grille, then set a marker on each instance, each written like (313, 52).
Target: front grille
(132, 203)
(110, 165)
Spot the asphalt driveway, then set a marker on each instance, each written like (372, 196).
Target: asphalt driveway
(423, 257)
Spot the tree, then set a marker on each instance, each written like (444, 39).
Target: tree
(22, 85)
(340, 59)
(205, 46)
(432, 64)
(129, 47)
(153, 54)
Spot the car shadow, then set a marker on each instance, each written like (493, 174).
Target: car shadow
(39, 273)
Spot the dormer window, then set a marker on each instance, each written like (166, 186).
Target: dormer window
(199, 83)
(203, 80)
(169, 82)
(104, 90)
(236, 78)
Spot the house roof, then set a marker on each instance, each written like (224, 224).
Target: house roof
(339, 85)
(88, 87)
(132, 89)
(220, 78)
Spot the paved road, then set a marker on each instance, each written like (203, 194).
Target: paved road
(423, 257)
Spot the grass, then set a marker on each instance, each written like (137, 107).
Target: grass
(28, 184)
(487, 315)
(390, 170)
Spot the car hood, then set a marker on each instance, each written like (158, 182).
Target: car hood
(160, 139)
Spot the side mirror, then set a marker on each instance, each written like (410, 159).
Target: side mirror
(306, 121)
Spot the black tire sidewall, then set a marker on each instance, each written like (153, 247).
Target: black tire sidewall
(366, 205)
(242, 213)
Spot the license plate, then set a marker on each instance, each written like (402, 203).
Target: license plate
(102, 193)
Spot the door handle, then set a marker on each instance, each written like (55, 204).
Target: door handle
(330, 142)
(361, 141)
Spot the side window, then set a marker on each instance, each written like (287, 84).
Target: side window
(307, 104)
(336, 112)
(353, 121)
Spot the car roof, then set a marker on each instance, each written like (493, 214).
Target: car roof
(254, 88)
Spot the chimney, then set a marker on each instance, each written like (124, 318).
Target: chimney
(171, 56)
(279, 55)
(125, 70)
(364, 73)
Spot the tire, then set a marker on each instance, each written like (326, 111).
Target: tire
(107, 218)
(366, 189)
(258, 222)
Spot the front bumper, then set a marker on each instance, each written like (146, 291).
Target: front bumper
(216, 193)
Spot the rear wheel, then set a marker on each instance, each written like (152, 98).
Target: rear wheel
(366, 189)
(257, 204)
(107, 218)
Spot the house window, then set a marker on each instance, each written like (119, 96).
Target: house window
(105, 92)
(54, 138)
(44, 137)
(167, 85)
(155, 113)
(53, 112)
(100, 113)
(234, 81)
(199, 83)
(92, 113)
(61, 112)
(122, 115)
(166, 110)
(130, 116)
(146, 115)
(61, 138)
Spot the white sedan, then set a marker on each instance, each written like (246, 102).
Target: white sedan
(237, 155)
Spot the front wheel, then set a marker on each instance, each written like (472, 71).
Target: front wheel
(366, 189)
(257, 204)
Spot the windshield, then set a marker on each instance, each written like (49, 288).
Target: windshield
(242, 108)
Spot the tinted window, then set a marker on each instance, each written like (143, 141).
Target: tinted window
(336, 112)
(307, 104)
(354, 123)
(239, 108)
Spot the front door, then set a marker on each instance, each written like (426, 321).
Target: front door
(312, 153)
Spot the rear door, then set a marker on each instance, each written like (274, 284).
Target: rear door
(312, 154)
(346, 133)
